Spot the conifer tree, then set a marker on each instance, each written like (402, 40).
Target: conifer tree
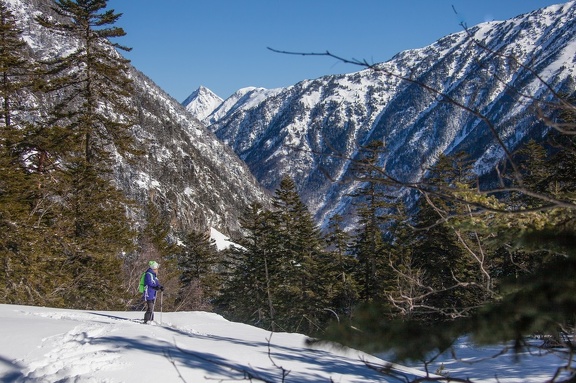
(302, 294)
(93, 234)
(343, 264)
(15, 68)
(200, 273)
(453, 278)
(248, 295)
(93, 81)
(282, 279)
(438, 255)
(12, 208)
(370, 249)
(95, 113)
(23, 279)
(406, 287)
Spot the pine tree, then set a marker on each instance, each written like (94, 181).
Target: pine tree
(405, 286)
(93, 81)
(453, 277)
(24, 278)
(91, 225)
(15, 68)
(302, 295)
(438, 255)
(200, 274)
(341, 267)
(248, 295)
(282, 279)
(370, 248)
(89, 213)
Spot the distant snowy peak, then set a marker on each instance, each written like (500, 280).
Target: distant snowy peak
(202, 102)
(242, 99)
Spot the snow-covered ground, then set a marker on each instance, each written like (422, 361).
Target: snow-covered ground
(41, 344)
(498, 364)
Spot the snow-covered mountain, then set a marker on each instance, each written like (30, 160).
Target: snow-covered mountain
(187, 172)
(242, 99)
(312, 129)
(202, 102)
(191, 174)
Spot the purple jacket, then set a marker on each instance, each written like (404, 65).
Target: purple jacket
(151, 282)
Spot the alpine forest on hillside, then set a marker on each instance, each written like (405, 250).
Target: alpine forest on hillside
(491, 257)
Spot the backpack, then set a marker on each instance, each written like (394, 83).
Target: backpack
(142, 285)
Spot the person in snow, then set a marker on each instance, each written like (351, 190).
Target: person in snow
(151, 287)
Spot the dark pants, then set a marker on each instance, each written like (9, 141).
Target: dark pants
(149, 315)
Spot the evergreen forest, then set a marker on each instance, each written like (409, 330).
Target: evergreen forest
(491, 256)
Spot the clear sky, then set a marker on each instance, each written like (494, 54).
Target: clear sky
(222, 44)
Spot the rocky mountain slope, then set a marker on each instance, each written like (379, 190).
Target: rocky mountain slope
(188, 173)
(312, 130)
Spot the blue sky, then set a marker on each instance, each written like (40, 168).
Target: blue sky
(222, 44)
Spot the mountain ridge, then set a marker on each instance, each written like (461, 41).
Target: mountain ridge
(308, 130)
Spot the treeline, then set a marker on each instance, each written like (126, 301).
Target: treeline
(455, 251)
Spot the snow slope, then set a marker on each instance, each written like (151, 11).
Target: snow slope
(60, 345)
(49, 345)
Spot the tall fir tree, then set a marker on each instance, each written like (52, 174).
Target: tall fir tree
(451, 276)
(282, 278)
(370, 249)
(93, 234)
(93, 81)
(16, 69)
(95, 112)
(248, 294)
(342, 266)
(26, 270)
(201, 276)
(302, 290)
(404, 284)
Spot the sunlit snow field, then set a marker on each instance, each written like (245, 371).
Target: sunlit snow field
(59, 345)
